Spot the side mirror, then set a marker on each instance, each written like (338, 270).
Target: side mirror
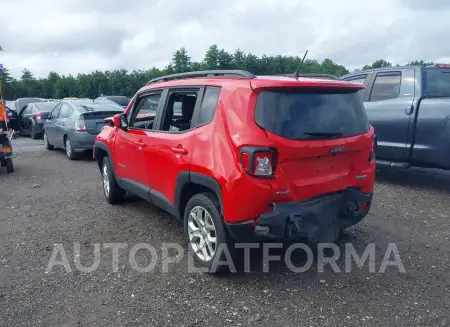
(120, 121)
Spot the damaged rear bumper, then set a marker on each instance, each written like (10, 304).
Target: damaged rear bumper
(315, 220)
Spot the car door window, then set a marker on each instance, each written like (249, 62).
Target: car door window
(145, 111)
(179, 110)
(386, 86)
(26, 110)
(66, 111)
(55, 112)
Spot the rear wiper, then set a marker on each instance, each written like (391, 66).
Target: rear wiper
(87, 108)
(328, 135)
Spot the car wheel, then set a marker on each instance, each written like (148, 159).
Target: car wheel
(69, 150)
(205, 233)
(47, 144)
(9, 165)
(113, 192)
(33, 133)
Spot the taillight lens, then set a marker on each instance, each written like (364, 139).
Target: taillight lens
(80, 125)
(38, 115)
(374, 147)
(259, 161)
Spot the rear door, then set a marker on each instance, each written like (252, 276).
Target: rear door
(24, 118)
(389, 107)
(321, 135)
(169, 148)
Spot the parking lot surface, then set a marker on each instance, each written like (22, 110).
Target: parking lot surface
(50, 200)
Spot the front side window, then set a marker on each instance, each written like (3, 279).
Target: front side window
(145, 111)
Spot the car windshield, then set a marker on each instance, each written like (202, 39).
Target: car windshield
(438, 82)
(312, 114)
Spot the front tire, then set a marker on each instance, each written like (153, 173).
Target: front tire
(205, 232)
(47, 144)
(113, 192)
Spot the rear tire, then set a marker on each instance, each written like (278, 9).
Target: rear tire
(33, 133)
(47, 144)
(114, 194)
(9, 165)
(69, 150)
(205, 233)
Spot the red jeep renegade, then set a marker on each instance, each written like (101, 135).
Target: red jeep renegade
(240, 157)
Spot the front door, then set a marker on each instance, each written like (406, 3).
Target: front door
(389, 107)
(131, 144)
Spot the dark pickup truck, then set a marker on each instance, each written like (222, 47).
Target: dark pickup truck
(409, 108)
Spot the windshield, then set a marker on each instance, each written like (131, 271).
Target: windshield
(438, 82)
(312, 114)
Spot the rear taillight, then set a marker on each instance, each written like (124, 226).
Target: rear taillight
(259, 161)
(80, 125)
(374, 147)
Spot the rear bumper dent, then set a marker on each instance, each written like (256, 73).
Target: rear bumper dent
(316, 220)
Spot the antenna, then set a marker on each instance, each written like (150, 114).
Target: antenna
(297, 74)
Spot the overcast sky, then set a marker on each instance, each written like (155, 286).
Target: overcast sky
(73, 36)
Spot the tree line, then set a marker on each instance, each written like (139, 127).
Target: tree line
(122, 82)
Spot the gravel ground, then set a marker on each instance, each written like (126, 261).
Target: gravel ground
(50, 200)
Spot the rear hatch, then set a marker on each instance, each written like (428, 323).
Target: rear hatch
(320, 135)
(95, 121)
(94, 118)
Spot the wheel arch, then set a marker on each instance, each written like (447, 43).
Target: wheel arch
(189, 184)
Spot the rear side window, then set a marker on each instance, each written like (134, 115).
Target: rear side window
(386, 86)
(66, 111)
(312, 114)
(438, 82)
(209, 104)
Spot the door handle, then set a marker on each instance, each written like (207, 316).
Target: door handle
(180, 150)
(409, 109)
(141, 145)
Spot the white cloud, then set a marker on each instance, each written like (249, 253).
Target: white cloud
(73, 36)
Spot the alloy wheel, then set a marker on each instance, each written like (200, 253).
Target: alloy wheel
(202, 233)
(105, 180)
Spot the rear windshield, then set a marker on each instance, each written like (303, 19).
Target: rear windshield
(312, 114)
(438, 82)
(122, 100)
(101, 107)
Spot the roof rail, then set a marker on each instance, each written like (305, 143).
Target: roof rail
(203, 73)
(314, 75)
